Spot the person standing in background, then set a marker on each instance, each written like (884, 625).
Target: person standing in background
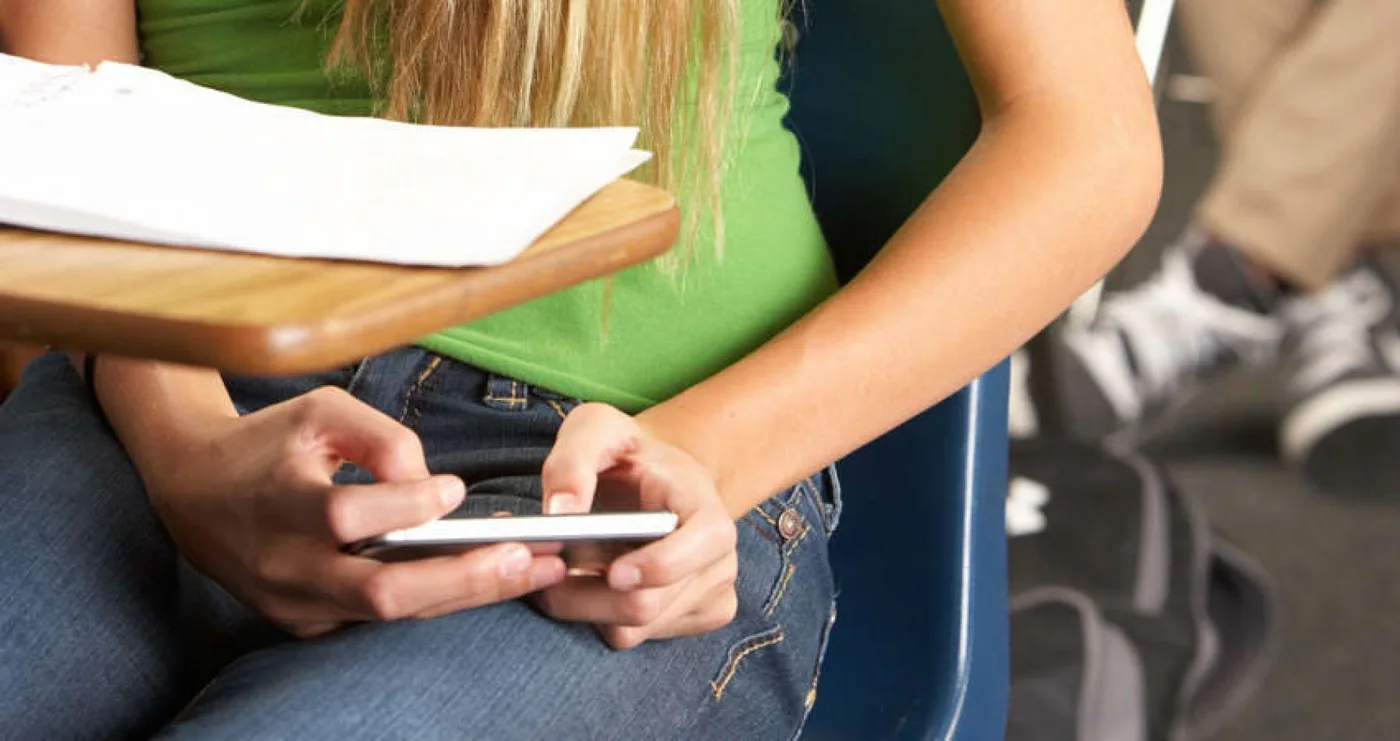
(1276, 266)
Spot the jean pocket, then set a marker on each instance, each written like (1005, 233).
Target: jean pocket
(772, 562)
(741, 651)
(783, 524)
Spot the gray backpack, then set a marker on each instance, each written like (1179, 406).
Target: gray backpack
(1131, 620)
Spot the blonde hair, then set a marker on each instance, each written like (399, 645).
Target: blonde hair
(666, 66)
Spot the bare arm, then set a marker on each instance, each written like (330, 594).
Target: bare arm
(1063, 179)
(148, 403)
(69, 31)
(251, 501)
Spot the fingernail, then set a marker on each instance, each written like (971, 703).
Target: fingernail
(562, 504)
(451, 490)
(545, 574)
(624, 577)
(515, 562)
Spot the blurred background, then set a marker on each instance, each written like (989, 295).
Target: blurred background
(1335, 563)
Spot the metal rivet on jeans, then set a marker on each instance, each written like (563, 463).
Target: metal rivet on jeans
(790, 524)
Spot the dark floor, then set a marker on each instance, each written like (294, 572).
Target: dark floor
(1336, 565)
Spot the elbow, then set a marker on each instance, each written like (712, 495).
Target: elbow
(1141, 186)
(1129, 168)
(1106, 161)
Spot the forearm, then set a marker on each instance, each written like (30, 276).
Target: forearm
(1043, 205)
(150, 405)
(158, 409)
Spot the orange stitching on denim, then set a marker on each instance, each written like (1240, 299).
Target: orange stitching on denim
(777, 597)
(558, 408)
(766, 517)
(760, 641)
(508, 400)
(763, 532)
(417, 386)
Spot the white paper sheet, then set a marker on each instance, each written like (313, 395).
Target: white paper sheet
(130, 153)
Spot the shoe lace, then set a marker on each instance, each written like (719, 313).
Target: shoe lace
(1177, 332)
(1333, 329)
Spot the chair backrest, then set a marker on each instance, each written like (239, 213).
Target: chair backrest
(884, 110)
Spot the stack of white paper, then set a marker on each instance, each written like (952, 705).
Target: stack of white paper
(130, 153)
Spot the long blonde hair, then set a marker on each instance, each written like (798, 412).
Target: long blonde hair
(666, 66)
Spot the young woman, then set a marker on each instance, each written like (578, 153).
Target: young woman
(172, 546)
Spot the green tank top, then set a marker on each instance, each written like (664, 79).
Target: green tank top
(662, 332)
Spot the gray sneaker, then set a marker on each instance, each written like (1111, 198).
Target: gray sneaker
(1341, 424)
(1149, 349)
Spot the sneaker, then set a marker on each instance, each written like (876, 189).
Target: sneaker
(1148, 349)
(1341, 424)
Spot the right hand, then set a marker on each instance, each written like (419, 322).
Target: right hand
(252, 504)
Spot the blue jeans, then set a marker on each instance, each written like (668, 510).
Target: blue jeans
(105, 632)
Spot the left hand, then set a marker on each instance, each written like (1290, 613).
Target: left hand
(680, 585)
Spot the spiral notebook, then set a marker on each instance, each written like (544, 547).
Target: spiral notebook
(129, 153)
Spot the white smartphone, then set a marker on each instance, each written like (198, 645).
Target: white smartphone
(457, 535)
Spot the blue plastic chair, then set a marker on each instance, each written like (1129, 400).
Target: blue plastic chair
(883, 108)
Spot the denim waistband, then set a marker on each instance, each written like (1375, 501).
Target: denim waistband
(458, 406)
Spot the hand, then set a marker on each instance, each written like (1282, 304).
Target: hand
(680, 585)
(252, 504)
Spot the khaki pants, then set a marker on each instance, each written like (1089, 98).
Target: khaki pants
(1308, 113)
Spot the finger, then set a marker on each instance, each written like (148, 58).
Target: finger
(369, 590)
(302, 612)
(586, 600)
(355, 512)
(713, 613)
(363, 435)
(546, 549)
(592, 439)
(312, 630)
(669, 479)
(700, 542)
(545, 571)
(302, 617)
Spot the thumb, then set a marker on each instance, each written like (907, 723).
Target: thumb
(593, 439)
(365, 436)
